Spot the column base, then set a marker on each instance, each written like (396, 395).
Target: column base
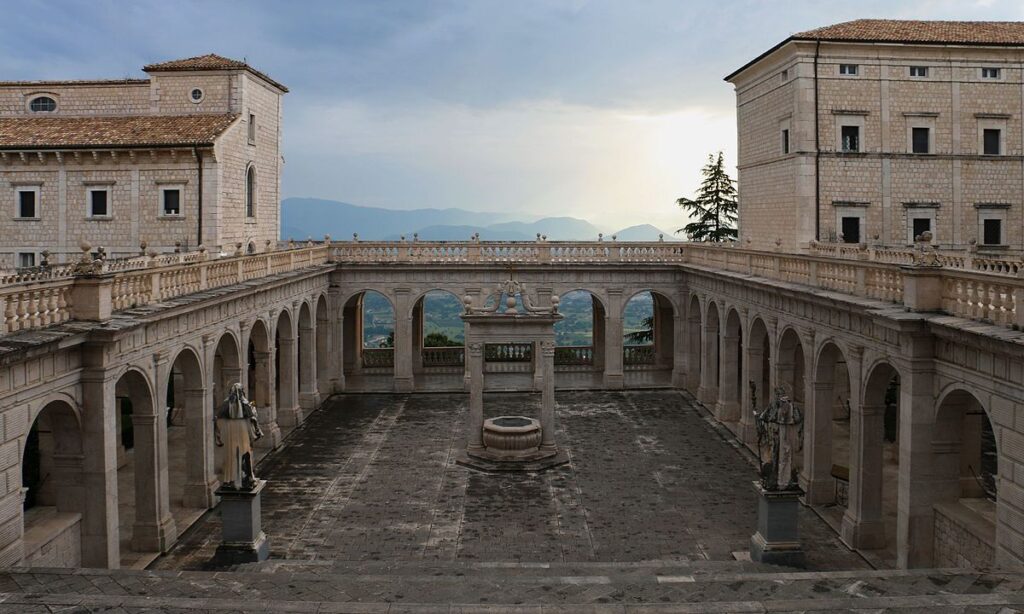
(309, 401)
(862, 534)
(818, 492)
(200, 495)
(707, 396)
(727, 411)
(777, 540)
(158, 537)
(404, 384)
(292, 416)
(614, 381)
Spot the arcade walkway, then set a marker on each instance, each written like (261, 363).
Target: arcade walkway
(372, 478)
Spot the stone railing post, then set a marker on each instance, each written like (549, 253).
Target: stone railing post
(1018, 302)
(860, 274)
(544, 252)
(473, 253)
(91, 297)
(812, 273)
(922, 287)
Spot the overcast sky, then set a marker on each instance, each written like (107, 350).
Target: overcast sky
(604, 110)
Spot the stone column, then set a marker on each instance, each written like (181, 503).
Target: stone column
(679, 366)
(154, 529)
(266, 405)
(289, 413)
(862, 523)
(708, 392)
(536, 354)
(816, 477)
(746, 430)
(202, 481)
(335, 366)
(475, 369)
(728, 406)
(547, 404)
(309, 396)
(404, 381)
(613, 377)
(100, 537)
(919, 486)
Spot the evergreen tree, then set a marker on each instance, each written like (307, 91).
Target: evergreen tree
(715, 206)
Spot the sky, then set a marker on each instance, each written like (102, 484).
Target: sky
(604, 110)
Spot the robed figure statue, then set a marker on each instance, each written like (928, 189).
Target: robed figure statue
(235, 427)
(779, 429)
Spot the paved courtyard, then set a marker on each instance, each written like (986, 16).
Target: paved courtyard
(373, 478)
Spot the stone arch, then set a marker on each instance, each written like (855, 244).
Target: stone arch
(694, 326)
(189, 435)
(758, 364)
(262, 387)
(324, 342)
(54, 488)
(708, 393)
(309, 395)
(656, 348)
(731, 367)
(437, 347)
(286, 370)
(827, 431)
(791, 364)
(356, 359)
(227, 366)
(570, 351)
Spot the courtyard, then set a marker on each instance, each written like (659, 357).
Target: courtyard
(373, 478)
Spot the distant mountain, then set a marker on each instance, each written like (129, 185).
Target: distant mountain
(555, 228)
(644, 232)
(460, 233)
(314, 217)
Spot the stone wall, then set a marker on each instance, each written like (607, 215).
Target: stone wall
(963, 538)
(56, 544)
(108, 98)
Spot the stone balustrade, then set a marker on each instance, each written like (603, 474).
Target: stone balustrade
(454, 356)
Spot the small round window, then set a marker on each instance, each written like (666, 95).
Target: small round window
(42, 104)
(196, 95)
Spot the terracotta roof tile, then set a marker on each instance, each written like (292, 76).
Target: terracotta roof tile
(210, 61)
(925, 32)
(119, 131)
(75, 82)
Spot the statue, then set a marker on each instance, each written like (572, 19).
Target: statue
(240, 429)
(779, 430)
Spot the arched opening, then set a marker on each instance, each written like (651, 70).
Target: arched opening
(731, 365)
(693, 334)
(53, 488)
(250, 247)
(648, 323)
(758, 367)
(250, 191)
(791, 377)
(826, 473)
(369, 339)
(708, 393)
(580, 335)
(227, 370)
(309, 396)
(438, 336)
(261, 367)
(286, 371)
(871, 514)
(191, 480)
(324, 340)
(966, 470)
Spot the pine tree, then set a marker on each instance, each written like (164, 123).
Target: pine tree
(715, 207)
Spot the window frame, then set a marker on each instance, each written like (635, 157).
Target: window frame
(27, 266)
(161, 201)
(848, 70)
(997, 76)
(842, 138)
(36, 190)
(31, 98)
(251, 193)
(192, 99)
(89, 212)
(914, 131)
(992, 211)
(851, 209)
(251, 129)
(984, 141)
(922, 211)
(924, 70)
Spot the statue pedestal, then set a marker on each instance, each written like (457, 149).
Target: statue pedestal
(242, 536)
(777, 540)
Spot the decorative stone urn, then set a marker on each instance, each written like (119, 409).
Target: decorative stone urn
(511, 437)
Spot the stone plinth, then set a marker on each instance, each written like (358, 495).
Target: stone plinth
(513, 443)
(777, 540)
(242, 536)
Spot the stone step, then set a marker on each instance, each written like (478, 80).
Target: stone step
(623, 589)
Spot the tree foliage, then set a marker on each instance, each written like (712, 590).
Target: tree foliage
(645, 335)
(714, 210)
(439, 340)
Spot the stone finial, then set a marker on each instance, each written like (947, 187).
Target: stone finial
(142, 247)
(177, 247)
(555, 301)
(45, 262)
(544, 238)
(467, 303)
(476, 237)
(327, 238)
(238, 248)
(615, 237)
(309, 241)
(972, 246)
(85, 247)
(101, 253)
(402, 238)
(201, 248)
(415, 237)
(538, 237)
(355, 237)
(600, 236)
(661, 237)
(291, 243)
(267, 245)
(152, 253)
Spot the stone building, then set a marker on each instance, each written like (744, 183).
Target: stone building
(874, 131)
(188, 156)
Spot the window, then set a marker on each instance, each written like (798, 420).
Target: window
(250, 192)
(170, 201)
(42, 104)
(918, 71)
(252, 128)
(919, 140)
(991, 141)
(992, 232)
(28, 203)
(98, 202)
(26, 259)
(989, 73)
(785, 140)
(196, 95)
(848, 69)
(919, 226)
(851, 229)
(851, 138)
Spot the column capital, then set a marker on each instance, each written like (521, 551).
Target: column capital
(475, 349)
(159, 357)
(547, 348)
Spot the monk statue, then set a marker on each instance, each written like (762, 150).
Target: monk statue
(779, 429)
(235, 427)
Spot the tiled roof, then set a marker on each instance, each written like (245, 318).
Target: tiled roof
(73, 82)
(925, 32)
(210, 61)
(119, 131)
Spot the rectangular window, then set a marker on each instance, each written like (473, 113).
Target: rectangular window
(171, 201)
(26, 259)
(99, 205)
(991, 138)
(851, 138)
(252, 128)
(785, 74)
(989, 73)
(921, 225)
(992, 232)
(919, 138)
(918, 71)
(851, 230)
(847, 69)
(785, 140)
(27, 205)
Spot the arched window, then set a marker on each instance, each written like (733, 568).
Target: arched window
(42, 104)
(250, 192)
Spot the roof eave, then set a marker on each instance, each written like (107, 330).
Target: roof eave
(204, 145)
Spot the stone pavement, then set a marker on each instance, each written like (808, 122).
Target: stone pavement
(373, 478)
